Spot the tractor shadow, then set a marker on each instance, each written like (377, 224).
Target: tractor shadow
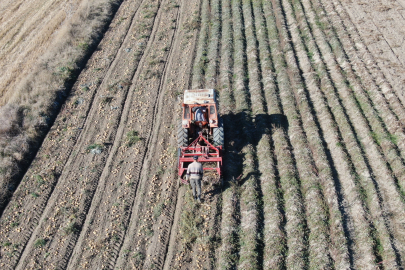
(242, 136)
(242, 130)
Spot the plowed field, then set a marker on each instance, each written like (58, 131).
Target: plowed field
(311, 93)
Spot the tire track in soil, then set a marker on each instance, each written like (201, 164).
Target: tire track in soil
(95, 168)
(191, 255)
(158, 247)
(204, 255)
(137, 174)
(200, 252)
(57, 147)
(161, 193)
(113, 166)
(138, 168)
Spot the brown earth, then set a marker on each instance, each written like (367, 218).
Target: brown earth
(27, 31)
(311, 94)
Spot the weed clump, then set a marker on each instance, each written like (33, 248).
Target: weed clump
(95, 148)
(40, 242)
(71, 228)
(139, 257)
(132, 138)
(157, 211)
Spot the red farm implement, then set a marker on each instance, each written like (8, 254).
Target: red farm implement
(210, 156)
(202, 125)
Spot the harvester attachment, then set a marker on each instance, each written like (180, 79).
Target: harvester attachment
(209, 155)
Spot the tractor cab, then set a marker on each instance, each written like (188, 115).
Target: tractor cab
(200, 112)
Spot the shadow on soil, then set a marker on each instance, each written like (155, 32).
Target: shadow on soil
(241, 130)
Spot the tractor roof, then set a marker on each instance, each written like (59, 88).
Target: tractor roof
(199, 96)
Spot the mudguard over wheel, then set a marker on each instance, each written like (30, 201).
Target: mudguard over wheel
(218, 134)
(182, 136)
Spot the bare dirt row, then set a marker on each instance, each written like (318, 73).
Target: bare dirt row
(337, 167)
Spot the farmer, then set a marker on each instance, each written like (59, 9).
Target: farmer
(199, 113)
(195, 173)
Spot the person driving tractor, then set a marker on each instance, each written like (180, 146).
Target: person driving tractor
(199, 113)
(194, 174)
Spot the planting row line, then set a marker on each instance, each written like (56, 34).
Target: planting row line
(106, 131)
(387, 178)
(110, 96)
(364, 183)
(124, 196)
(312, 177)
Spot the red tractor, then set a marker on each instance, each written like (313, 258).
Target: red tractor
(200, 133)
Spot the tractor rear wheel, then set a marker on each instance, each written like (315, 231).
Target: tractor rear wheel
(218, 133)
(182, 136)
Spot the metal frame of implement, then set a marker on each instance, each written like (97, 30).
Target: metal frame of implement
(206, 153)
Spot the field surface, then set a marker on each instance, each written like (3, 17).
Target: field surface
(311, 93)
(27, 30)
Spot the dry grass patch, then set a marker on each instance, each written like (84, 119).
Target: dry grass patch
(36, 99)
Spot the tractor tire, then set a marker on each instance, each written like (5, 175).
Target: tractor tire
(182, 136)
(218, 133)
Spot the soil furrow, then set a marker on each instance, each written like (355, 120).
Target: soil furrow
(336, 10)
(117, 164)
(60, 141)
(374, 206)
(213, 46)
(375, 42)
(201, 59)
(228, 255)
(371, 153)
(366, 182)
(369, 147)
(274, 238)
(74, 208)
(317, 207)
(385, 102)
(286, 138)
(383, 138)
(343, 170)
(250, 199)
